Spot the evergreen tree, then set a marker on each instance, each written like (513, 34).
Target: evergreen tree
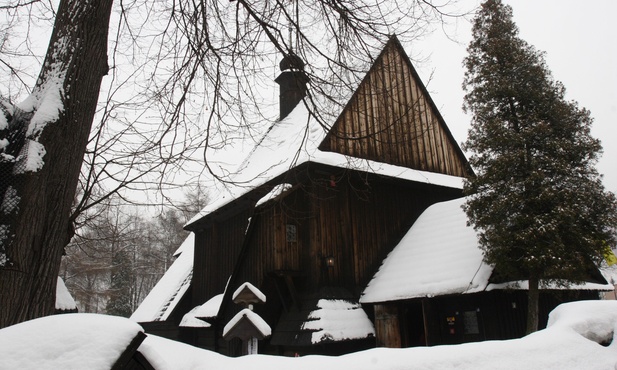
(538, 202)
(119, 303)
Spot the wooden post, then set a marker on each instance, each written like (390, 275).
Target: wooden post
(387, 326)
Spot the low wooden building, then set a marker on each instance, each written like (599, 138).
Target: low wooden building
(435, 288)
(315, 213)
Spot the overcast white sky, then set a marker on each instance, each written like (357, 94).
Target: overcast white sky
(579, 38)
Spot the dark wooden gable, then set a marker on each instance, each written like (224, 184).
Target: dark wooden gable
(392, 119)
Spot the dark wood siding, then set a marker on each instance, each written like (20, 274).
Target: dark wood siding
(494, 315)
(217, 248)
(391, 118)
(358, 221)
(354, 218)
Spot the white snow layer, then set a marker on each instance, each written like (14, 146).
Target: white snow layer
(5, 106)
(69, 341)
(338, 320)
(64, 300)
(207, 310)
(288, 142)
(46, 105)
(275, 192)
(87, 341)
(254, 318)
(439, 255)
(295, 140)
(569, 343)
(190, 320)
(30, 158)
(252, 288)
(166, 294)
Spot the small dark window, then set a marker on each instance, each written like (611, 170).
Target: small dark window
(291, 233)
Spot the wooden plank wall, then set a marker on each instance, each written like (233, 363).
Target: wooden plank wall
(390, 119)
(357, 222)
(387, 325)
(268, 248)
(216, 250)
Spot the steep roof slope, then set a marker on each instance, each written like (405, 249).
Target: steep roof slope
(439, 255)
(163, 298)
(391, 118)
(415, 144)
(64, 300)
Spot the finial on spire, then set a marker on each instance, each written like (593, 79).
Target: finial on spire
(292, 62)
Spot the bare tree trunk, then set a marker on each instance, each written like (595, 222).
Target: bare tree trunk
(40, 228)
(533, 303)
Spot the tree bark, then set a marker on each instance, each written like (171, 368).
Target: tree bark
(40, 227)
(533, 303)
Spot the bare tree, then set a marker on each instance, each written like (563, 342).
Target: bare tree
(52, 123)
(185, 78)
(114, 263)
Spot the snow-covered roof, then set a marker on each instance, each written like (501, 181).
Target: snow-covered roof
(609, 273)
(64, 300)
(288, 142)
(181, 248)
(251, 316)
(163, 298)
(275, 192)
(331, 315)
(194, 318)
(294, 141)
(250, 287)
(338, 320)
(70, 341)
(439, 255)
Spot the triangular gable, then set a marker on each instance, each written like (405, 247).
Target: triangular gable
(411, 136)
(392, 119)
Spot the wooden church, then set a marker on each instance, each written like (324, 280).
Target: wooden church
(316, 215)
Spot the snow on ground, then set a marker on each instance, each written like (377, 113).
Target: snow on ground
(69, 341)
(564, 345)
(87, 341)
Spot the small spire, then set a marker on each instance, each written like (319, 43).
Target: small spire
(292, 62)
(292, 82)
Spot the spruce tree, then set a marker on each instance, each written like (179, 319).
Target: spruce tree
(537, 201)
(119, 303)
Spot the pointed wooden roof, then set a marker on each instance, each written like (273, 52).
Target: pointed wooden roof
(392, 119)
(389, 127)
